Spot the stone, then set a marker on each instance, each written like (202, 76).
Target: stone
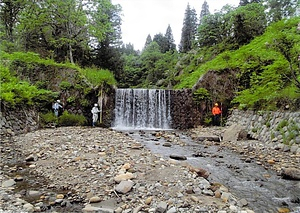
(242, 202)
(124, 186)
(172, 210)
(95, 199)
(178, 157)
(226, 196)
(60, 196)
(28, 207)
(231, 133)
(34, 193)
(271, 161)
(148, 200)
(161, 207)
(290, 173)
(89, 208)
(126, 176)
(8, 183)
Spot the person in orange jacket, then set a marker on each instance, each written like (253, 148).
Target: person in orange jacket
(216, 111)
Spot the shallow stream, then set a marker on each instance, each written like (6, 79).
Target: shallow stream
(263, 189)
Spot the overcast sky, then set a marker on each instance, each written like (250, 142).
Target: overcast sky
(143, 17)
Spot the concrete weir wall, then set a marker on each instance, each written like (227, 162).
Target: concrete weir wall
(183, 110)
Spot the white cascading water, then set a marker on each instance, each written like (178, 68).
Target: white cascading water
(142, 109)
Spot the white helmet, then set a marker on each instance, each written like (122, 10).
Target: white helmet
(95, 105)
(58, 101)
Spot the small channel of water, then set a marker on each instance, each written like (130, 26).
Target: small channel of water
(264, 190)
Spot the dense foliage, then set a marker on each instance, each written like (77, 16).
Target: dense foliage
(258, 41)
(19, 92)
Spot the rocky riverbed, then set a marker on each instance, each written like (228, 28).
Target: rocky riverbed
(80, 169)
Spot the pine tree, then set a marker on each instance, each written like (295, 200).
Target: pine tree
(171, 46)
(204, 11)
(189, 30)
(148, 41)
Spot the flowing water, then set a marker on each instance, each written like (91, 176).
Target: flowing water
(264, 190)
(142, 108)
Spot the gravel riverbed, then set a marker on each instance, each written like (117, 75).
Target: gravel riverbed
(82, 169)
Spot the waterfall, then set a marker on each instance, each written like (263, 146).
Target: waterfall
(142, 109)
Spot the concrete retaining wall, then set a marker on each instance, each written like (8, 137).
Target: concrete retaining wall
(280, 128)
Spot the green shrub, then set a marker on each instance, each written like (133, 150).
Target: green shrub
(207, 120)
(67, 119)
(48, 119)
(65, 85)
(71, 100)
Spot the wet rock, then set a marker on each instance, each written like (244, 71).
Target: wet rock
(242, 202)
(200, 172)
(290, 173)
(167, 144)
(209, 138)
(178, 157)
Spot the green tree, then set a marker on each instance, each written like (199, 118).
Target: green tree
(132, 75)
(9, 17)
(107, 53)
(53, 26)
(189, 29)
(248, 22)
(161, 41)
(281, 9)
(148, 41)
(150, 55)
(170, 43)
(204, 11)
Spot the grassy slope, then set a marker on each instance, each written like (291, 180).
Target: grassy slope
(14, 91)
(259, 60)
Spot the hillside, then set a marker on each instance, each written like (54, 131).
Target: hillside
(262, 74)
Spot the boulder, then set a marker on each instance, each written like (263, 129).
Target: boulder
(290, 173)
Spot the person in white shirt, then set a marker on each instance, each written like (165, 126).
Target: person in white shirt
(56, 106)
(95, 112)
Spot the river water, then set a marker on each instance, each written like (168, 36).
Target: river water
(264, 190)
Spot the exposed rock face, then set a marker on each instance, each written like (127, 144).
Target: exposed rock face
(222, 85)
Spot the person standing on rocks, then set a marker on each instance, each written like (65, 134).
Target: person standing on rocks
(56, 106)
(216, 111)
(95, 112)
